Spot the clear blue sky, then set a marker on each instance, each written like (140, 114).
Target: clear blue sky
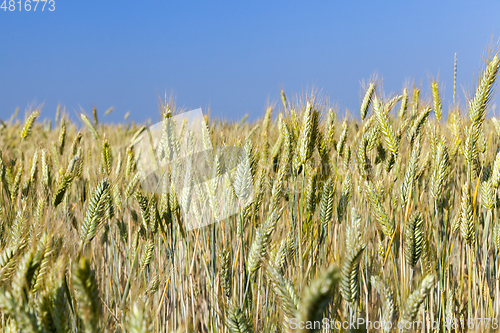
(233, 56)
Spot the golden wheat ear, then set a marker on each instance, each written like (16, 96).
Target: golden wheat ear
(367, 99)
(436, 100)
(28, 125)
(89, 125)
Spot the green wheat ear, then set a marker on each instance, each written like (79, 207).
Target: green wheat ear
(23, 279)
(414, 239)
(22, 320)
(237, 321)
(311, 190)
(410, 174)
(477, 106)
(94, 113)
(283, 99)
(496, 171)
(345, 196)
(76, 142)
(441, 170)
(106, 156)
(284, 291)
(62, 136)
(61, 298)
(66, 180)
(349, 284)
(467, 226)
(412, 304)
(147, 254)
(379, 211)
(96, 211)
(418, 124)
(45, 309)
(226, 273)
(259, 246)
(326, 204)
(415, 102)
(138, 320)
(86, 294)
(404, 103)
(353, 231)
(284, 252)
(343, 138)
(317, 296)
(307, 137)
(385, 126)
(389, 306)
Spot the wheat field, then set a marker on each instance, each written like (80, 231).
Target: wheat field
(391, 218)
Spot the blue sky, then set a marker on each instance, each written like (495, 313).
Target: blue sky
(233, 56)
